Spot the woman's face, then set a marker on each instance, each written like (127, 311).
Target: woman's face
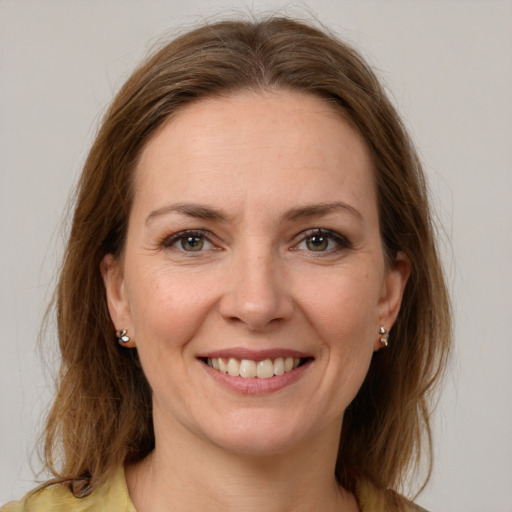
(253, 248)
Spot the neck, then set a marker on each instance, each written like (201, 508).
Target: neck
(187, 473)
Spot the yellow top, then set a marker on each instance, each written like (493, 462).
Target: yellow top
(114, 497)
(111, 497)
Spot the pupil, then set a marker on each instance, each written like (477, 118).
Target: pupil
(192, 243)
(317, 242)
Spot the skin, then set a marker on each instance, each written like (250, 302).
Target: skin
(261, 167)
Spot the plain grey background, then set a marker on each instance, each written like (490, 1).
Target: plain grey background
(449, 67)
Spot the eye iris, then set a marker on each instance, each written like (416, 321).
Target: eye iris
(192, 243)
(317, 243)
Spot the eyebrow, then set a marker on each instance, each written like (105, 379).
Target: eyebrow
(204, 212)
(318, 210)
(197, 211)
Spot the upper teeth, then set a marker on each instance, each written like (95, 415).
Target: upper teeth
(248, 369)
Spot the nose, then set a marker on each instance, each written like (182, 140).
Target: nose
(257, 291)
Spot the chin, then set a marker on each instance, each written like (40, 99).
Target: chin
(251, 445)
(260, 437)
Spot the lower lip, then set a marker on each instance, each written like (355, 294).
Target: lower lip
(255, 386)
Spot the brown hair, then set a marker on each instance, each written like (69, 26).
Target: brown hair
(102, 414)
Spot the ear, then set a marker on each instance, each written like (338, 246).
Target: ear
(393, 287)
(117, 301)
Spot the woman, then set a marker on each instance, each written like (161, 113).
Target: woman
(251, 309)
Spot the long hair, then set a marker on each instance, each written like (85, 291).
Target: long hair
(102, 413)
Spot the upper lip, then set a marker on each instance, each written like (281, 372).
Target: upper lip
(254, 355)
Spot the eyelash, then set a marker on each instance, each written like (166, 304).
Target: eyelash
(342, 243)
(169, 241)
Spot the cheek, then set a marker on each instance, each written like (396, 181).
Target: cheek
(167, 313)
(345, 314)
(345, 308)
(167, 309)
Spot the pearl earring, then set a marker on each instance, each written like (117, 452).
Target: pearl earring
(384, 336)
(121, 336)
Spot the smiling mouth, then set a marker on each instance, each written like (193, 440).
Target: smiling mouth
(250, 369)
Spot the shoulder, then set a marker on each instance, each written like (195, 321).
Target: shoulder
(112, 496)
(53, 497)
(372, 499)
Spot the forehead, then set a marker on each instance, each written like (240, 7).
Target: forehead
(294, 145)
